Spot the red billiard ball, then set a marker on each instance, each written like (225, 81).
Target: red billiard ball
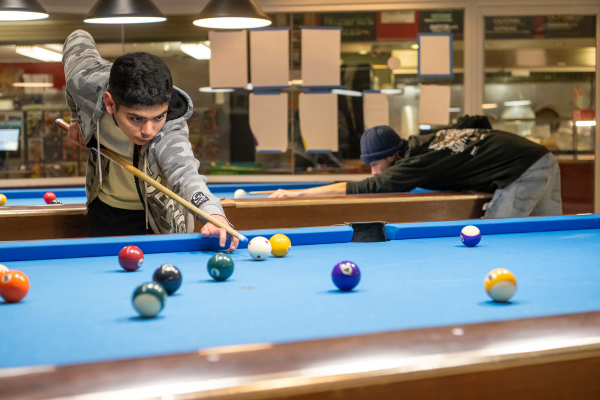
(49, 197)
(14, 285)
(131, 258)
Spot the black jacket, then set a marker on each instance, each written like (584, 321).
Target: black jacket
(455, 159)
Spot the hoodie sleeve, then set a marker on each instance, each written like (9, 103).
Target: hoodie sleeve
(86, 74)
(176, 159)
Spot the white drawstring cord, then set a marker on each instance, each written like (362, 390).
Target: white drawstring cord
(99, 159)
(145, 195)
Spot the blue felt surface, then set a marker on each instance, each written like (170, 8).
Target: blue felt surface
(79, 310)
(35, 197)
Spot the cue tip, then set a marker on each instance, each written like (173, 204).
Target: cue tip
(243, 239)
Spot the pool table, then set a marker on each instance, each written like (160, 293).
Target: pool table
(34, 197)
(70, 221)
(419, 324)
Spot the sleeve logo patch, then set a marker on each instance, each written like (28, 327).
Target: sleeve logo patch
(199, 198)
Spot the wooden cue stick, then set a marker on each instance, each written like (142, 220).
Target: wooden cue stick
(60, 123)
(263, 192)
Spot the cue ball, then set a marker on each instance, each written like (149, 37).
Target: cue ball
(220, 267)
(149, 299)
(239, 194)
(131, 258)
(500, 284)
(470, 236)
(14, 286)
(2, 199)
(259, 248)
(169, 277)
(49, 197)
(345, 275)
(280, 245)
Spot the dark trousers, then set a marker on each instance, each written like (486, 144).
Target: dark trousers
(104, 220)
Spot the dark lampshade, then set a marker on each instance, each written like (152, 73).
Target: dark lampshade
(21, 10)
(232, 14)
(124, 12)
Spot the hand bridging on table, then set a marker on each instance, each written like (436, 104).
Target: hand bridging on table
(74, 134)
(210, 230)
(285, 193)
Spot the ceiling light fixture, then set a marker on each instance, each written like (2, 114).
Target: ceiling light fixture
(199, 51)
(39, 53)
(33, 84)
(211, 90)
(232, 14)
(124, 12)
(21, 10)
(517, 103)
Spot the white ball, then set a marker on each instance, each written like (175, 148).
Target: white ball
(470, 230)
(259, 248)
(239, 194)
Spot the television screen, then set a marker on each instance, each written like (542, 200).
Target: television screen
(9, 139)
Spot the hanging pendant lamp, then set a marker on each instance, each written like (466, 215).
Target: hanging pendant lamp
(21, 10)
(124, 12)
(232, 14)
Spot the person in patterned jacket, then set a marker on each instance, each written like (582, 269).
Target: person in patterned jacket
(524, 176)
(132, 108)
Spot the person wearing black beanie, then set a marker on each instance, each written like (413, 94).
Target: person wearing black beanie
(524, 176)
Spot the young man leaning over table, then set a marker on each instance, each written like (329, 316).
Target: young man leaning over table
(524, 176)
(132, 108)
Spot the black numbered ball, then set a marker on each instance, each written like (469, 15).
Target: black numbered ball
(169, 277)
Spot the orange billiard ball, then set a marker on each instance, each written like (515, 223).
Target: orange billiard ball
(14, 286)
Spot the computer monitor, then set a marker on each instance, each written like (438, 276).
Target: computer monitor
(9, 139)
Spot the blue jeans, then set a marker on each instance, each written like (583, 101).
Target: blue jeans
(535, 193)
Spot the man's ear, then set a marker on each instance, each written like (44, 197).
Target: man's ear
(109, 102)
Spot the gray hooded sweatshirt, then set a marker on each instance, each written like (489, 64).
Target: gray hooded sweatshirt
(168, 158)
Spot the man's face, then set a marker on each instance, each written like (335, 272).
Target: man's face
(139, 124)
(378, 166)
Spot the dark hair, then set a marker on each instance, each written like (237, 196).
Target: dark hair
(140, 79)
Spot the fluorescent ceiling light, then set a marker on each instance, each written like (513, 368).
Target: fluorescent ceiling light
(33, 84)
(414, 46)
(454, 109)
(517, 103)
(585, 123)
(199, 51)
(489, 106)
(363, 52)
(211, 90)
(424, 127)
(39, 53)
(391, 91)
(232, 23)
(351, 93)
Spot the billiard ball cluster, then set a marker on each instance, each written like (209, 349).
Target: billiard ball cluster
(14, 285)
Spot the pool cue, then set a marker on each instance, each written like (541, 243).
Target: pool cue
(60, 123)
(264, 192)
